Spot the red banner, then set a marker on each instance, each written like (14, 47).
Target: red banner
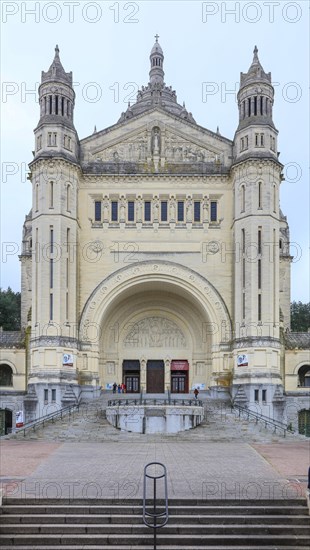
(179, 365)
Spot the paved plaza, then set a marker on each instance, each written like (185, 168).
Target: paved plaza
(224, 458)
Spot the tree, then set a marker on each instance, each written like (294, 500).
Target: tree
(9, 309)
(300, 317)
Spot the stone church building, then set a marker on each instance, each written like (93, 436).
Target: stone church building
(155, 254)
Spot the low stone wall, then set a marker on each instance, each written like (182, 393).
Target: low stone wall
(152, 419)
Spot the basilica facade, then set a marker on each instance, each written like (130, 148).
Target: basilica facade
(156, 255)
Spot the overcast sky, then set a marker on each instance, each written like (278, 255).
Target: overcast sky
(107, 46)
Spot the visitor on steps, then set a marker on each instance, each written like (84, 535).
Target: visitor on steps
(196, 392)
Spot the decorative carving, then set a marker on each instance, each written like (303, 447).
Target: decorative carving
(122, 209)
(106, 209)
(155, 332)
(182, 150)
(174, 148)
(156, 141)
(134, 150)
(172, 209)
(189, 209)
(205, 209)
(139, 208)
(155, 209)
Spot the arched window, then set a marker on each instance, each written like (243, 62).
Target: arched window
(304, 376)
(6, 375)
(68, 197)
(37, 197)
(51, 194)
(243, 198)
(259, 194)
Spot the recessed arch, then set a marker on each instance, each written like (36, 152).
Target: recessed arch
(174, 278)
(304, 376)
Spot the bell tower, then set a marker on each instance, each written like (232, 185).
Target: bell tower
(55, 177)
(256, 179)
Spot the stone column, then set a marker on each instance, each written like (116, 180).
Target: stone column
(167, 374)
(143, 374)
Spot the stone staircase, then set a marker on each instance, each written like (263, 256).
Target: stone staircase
(193, 524)
(90, 424)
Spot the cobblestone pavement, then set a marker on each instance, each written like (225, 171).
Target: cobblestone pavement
(224, 457)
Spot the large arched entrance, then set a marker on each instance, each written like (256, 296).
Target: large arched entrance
(155, 326)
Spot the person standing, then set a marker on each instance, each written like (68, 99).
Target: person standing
(196, 393)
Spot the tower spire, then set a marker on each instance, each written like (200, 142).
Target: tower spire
(157, 61)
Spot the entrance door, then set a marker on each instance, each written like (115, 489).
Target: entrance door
(179, 376)
(155, 377)
(6, 421)
(132, 384)
(304, 422)
(178, 383)
(131, 375)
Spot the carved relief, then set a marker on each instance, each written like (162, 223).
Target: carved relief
(155, 209)
(180, 150)
(122, 209)
(174, 148)
(139, 208)
(133, 150)
(155, 332)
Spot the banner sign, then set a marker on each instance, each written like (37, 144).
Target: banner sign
(67, 360)
(19, 419)
(242, 361)
(179, 365)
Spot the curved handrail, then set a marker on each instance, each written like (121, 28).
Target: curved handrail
(156, 401)
(154, 514)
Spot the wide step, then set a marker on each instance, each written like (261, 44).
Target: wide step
(193, 525)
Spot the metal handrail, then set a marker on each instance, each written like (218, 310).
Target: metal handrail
(155, 515)
(46, 418)
(150, 401)
(264, 419)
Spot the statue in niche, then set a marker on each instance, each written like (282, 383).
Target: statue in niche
(139, 209)
(156, 141)
(205, 209)
(106, 209)
(172, 209)
(155, 209)
(189, 209)
(122, 209)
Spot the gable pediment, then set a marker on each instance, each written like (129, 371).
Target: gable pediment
(156, 137)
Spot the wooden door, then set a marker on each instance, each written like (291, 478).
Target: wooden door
(155, 377)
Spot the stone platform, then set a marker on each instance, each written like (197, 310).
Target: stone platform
(222, 458)
(155, 418)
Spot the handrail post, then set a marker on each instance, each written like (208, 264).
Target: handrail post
(154, 514)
